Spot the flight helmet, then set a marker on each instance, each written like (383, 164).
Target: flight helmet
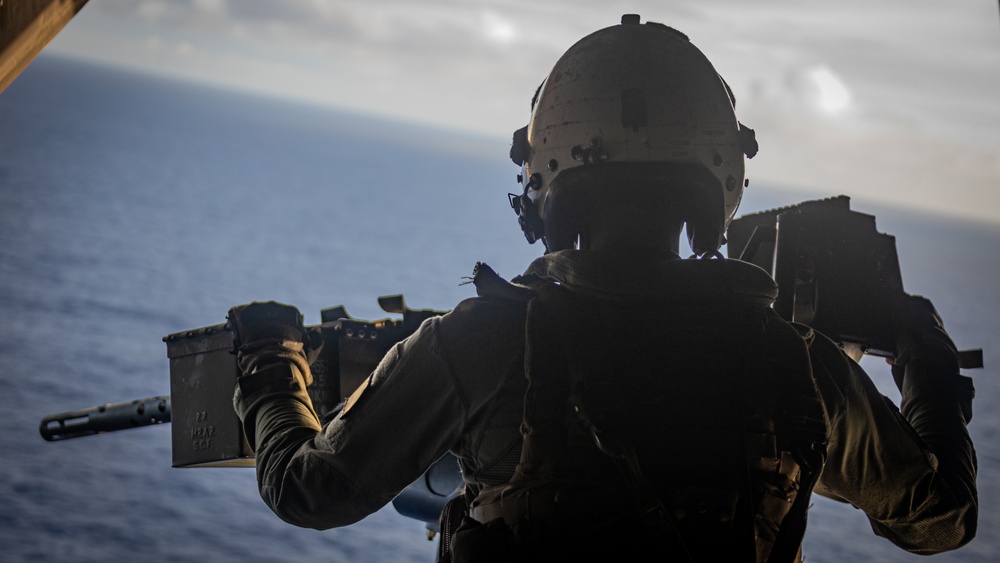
(634, 99)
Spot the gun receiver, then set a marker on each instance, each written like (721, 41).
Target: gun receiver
(835, 272)
(205, 430)
(203, 372)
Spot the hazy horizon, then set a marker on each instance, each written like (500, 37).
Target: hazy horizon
(893, 100)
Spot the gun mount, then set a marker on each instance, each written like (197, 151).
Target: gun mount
(835, 272)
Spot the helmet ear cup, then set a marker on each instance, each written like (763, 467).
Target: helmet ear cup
(565, 214)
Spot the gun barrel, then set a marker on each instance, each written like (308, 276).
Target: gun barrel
(106, 418)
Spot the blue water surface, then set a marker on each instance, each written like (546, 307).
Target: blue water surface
(132, 207)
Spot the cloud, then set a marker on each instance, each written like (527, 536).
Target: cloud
(831, 95)
(907, 100)
(499, 28)
(215, 7)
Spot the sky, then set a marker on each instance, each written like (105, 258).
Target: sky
(893, 102)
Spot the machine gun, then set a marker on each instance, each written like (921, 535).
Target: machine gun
(205, 431)
(835, 272)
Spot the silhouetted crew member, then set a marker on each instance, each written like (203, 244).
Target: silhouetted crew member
(617, 399)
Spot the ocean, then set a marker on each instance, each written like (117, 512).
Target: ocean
(133, 206)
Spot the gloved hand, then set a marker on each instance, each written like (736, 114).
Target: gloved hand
(922, 339)
(920, 334)
(266, 332)
(260, 322)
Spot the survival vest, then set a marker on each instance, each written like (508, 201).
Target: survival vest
(654, 429)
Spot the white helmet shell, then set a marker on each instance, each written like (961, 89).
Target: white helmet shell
(637, 93)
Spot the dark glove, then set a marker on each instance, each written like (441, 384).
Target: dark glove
(920, 334)
(921, 338)
(269, 332)
(265, 322)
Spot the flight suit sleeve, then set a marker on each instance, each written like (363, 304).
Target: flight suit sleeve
(911, 470)
(402, 419)
(418, 404)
